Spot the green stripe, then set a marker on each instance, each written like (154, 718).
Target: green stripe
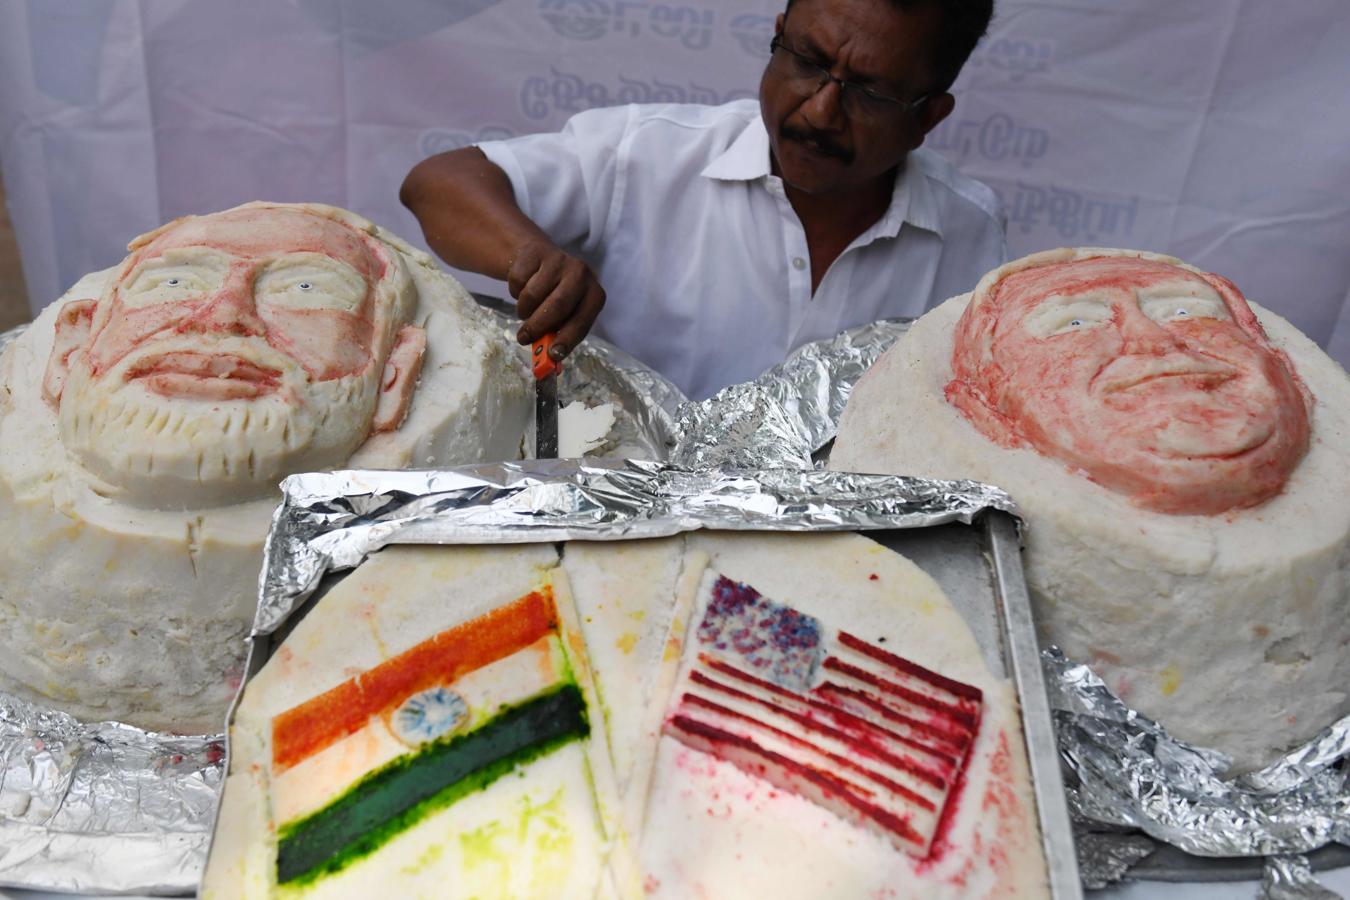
(397, 796)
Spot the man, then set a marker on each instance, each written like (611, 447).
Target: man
(727, 236)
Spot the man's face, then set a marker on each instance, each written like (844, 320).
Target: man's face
(232, 349)
(1151, 379)
(823, 141)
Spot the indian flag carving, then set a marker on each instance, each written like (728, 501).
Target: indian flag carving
(359, 764)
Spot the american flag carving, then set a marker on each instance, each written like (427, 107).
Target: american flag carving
(873, 737)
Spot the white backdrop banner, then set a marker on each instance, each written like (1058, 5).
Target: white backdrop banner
(1215, 131)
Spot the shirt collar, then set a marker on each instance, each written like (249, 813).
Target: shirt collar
(746, 159)
(912, 199)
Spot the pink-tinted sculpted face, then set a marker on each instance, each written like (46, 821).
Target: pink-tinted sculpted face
(1153, 380)
(233, 349)
(299, 283)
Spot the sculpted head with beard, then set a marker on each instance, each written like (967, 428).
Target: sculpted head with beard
(232, 349)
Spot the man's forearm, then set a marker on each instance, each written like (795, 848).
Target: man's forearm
(468, 211)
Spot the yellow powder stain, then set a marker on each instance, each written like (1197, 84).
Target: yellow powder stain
(426, 860)
(539, 842)
(627, 641)
(638, 615)
(1171, 680)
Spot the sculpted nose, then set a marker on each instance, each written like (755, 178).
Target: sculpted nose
(230, 310)
(1144, 336)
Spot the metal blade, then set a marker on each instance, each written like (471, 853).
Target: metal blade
(546, 417)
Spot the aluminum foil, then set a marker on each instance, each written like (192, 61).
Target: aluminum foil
(598, 372)
(782, 418)
(1105, 856)
(1124, 769)
(1291, 878)
(329, 522)
(102, 807)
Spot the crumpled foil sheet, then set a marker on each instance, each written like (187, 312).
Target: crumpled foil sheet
(597, 369)
(107, 807)
(1291, 878)
(596, 372)
(102, 807)
(332, 521)
(1124, 769)
(1105, 856)
(783, 417)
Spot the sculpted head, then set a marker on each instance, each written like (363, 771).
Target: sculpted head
(232, 349)
(1148, 376)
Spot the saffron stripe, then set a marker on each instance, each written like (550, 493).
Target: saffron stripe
(324, 720)
(877, 777)
(965, 717)
(388, 801)
(959, 688)
(788, 775)
(869, 747)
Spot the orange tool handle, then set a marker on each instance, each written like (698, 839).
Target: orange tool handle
(542, 363)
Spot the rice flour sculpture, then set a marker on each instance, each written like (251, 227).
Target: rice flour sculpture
(1182, 459)
(148, 416)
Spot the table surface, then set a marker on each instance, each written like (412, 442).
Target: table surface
(1337, 880)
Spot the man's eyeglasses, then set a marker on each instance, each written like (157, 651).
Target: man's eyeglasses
(858, 100)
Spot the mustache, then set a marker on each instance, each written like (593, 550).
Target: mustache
(818, 141)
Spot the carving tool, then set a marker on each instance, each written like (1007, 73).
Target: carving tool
(545, 399)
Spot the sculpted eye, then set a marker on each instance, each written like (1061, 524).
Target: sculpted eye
(179, 275)
(311, 281)
(1184, 302)
(1060, 315)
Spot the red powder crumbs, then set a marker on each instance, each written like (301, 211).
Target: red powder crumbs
(874, 577)
(651, 884)
(215, 753)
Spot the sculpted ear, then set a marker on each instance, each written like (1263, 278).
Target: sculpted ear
(399, 378)
(72, 333)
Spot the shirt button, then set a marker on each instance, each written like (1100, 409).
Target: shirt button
(798, 263)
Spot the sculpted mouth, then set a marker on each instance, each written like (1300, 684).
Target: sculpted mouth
(1133, 371)
(204, 376)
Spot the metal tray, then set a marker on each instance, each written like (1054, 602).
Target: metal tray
(979, 568)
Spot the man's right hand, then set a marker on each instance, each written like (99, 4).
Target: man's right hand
(468, 212)
(554, 292)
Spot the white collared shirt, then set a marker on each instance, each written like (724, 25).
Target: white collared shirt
(703, 260)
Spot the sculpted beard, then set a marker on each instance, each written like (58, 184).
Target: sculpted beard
(173, 452)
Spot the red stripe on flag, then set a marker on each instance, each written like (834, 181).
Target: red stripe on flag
(892, 786)
(866, 743)
(959, 688)
(954, 737)
(789, 775)
(843, 717)
(964, 716)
